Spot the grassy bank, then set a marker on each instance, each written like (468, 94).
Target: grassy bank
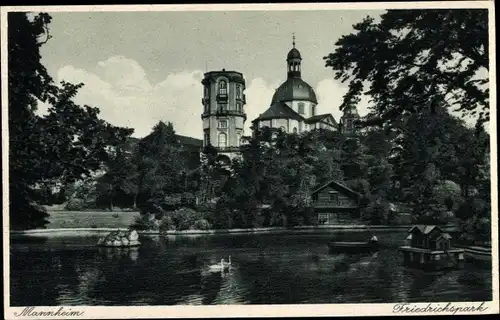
(90, 222)
(62, 219)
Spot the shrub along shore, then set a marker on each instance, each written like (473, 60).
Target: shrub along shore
(269, 230)
(87, 223)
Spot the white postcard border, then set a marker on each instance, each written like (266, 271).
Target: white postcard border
(253, 310)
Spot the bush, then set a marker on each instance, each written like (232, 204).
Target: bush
(473, 208)
(431, 214)
(222, 218)
(476, 230)
(201, 224)
(310, 217)
(448, 193)
(377, 212)
(75, 204)
(144, 222)
(277, 219)
(166, 223)
(184, 218)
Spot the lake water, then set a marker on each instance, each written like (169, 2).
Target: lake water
(266, 269)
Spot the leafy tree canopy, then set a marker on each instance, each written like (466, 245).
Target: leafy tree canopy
(67, 144)
(410, 57)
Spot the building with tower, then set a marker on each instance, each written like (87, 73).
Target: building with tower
(293, 106)
(223, 111)
(348, 121)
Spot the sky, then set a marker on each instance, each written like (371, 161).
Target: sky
(142, 67)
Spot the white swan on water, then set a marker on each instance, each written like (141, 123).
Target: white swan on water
(221, 266)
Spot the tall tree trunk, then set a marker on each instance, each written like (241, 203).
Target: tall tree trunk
(135, 201)
(110, 195)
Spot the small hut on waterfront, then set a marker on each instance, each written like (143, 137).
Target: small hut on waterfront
(429, 246)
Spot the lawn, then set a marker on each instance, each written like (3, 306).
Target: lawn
(91, 219)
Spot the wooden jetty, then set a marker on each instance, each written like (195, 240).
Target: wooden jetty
(478, 253)
(429, 247)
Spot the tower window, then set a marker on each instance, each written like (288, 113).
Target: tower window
(313, 110)
(238, 107)
(206, 92)
(238, 139)
(223, 124)
(301, 108)
(206, 138)
(295, 130)
(222, 140)
(222, 87)
(238, 91)
(207, 108)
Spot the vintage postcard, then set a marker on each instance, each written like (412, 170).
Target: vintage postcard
(243, 160)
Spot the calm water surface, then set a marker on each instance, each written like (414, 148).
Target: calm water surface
(267, 269)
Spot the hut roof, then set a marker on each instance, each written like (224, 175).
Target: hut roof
(425, 229)
(445, 235)
(339, 186)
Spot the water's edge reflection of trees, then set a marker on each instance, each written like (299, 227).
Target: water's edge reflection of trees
(272, 269)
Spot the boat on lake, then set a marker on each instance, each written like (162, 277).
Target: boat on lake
(354, 246)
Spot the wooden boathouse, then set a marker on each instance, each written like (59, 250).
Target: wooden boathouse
(334, 202)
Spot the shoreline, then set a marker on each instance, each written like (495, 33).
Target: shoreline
(62, 232)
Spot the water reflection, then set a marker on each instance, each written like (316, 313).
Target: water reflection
(266, 269)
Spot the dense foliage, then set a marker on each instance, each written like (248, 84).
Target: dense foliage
(415, 65)
(61, 147)
(412, 56)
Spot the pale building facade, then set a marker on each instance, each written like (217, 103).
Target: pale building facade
(223, 111)
(293, 106)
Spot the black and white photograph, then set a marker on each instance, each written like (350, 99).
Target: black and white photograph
(272, 160)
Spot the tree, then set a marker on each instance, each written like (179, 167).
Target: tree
(121, 177)
(66, 145)
(160, 166)
(411, 56)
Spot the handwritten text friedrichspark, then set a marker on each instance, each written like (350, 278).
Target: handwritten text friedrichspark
(437, 308)
(39, 312)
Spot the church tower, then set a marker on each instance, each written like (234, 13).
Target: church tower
(294, 60)
(223, 111)
(348, 121)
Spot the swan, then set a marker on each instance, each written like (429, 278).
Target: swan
(221, 266)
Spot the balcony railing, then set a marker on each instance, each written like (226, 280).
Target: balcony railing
(221, 96)
(225, 112)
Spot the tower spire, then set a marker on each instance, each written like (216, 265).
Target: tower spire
(293, 39)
